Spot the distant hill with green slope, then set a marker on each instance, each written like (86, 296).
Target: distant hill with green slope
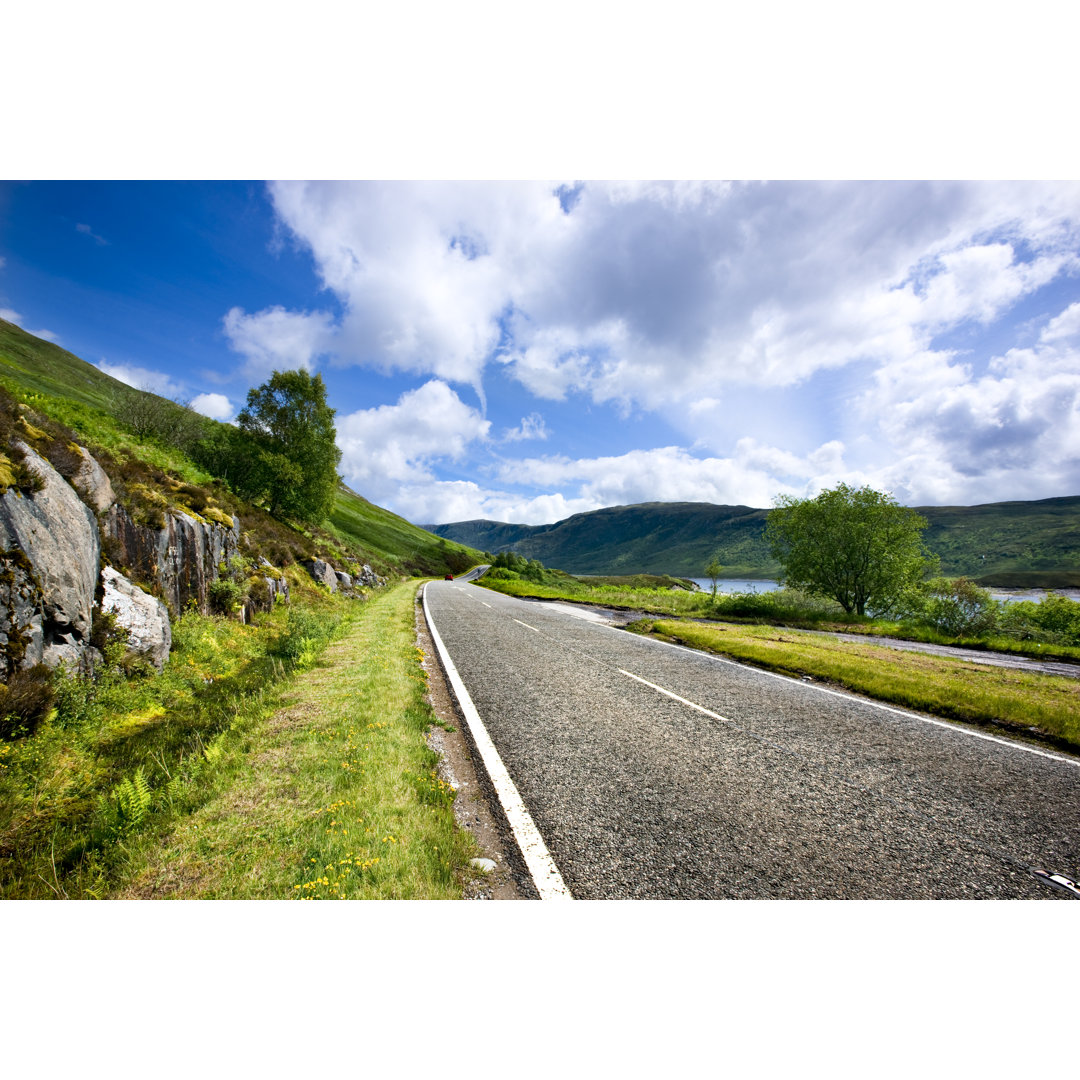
(59, 384)
(1007, 544)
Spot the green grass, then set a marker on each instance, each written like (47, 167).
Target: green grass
(332, 796)
(64, 826)
(975, 693)
(781, 607)
(395, 541)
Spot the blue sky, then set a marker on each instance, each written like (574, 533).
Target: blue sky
(524, 351)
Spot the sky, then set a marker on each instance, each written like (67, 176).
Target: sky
(523, 351)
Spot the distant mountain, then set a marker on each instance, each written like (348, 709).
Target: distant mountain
(1010, 543)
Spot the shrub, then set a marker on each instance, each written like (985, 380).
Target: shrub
(954, 606)
(26, 701)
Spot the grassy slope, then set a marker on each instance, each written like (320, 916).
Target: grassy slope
(1016, 543)
(80, 395)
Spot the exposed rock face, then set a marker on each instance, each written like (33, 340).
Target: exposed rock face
(323, 573)
(58, 534)
(22, 640)
(182, 557)
(145, 618)
(92, 484)
(344, 580)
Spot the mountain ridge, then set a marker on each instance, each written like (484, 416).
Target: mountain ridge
(1013, 542)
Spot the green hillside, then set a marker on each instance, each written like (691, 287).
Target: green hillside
(1007, 544)
(102, 410)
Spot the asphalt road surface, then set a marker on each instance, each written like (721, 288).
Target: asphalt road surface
(777, 789)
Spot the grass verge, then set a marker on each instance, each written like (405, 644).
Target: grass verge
(1005, 698)
(333, 795)
(786, 607)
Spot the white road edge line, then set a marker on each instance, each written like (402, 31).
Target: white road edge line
(875, 704)
(675, 697)
(545, 874)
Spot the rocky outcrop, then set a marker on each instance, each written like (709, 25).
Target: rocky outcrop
(22, 639)
(344, 580)
(368, 577)
(59, 537)
(144, 617)
(182, 558)
(91, 482)
(322, 572)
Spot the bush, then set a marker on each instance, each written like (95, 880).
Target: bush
(957, 607)
(26, 701)
(1055, 620)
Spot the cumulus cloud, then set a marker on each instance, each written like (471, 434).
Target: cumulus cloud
(531, 427)
(157, 382)
(392, 447)
(958, 437)
(216, 406)
(677, 298)
(278, 339)
(650, 292)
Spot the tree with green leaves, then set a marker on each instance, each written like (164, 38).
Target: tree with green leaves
(291, 431)
(856, 545)
(713, 572)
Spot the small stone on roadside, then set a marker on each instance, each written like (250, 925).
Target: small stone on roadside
(486, 865)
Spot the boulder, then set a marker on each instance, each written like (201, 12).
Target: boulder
(344, 580)
(58, 534)
(144, 617)
(91, 483)
(322, 572)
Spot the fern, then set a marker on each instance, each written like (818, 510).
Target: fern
(132, 798)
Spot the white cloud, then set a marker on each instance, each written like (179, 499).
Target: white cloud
(392, 447)
(157, 382)
(531, 427)
(278, 339)
(14, 317)
(653, 293)
(216, 406)
(1013, 432)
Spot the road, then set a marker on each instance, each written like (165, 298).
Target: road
(656, 772)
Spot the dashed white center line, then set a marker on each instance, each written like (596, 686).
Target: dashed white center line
(675, 697)
(527, 626)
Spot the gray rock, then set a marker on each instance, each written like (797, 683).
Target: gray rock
(58, 533)
(182, 557)
(487, 866)
(22, 639)
(144, 617)
(322, 572)
(344, 580)
(92, 484)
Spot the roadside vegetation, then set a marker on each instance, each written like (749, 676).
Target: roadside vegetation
(228, 776)
(333, 794)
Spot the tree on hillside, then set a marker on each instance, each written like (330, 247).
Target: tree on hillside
(290, 429)
(856, 545)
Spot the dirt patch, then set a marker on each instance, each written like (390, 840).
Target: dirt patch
(475, 807)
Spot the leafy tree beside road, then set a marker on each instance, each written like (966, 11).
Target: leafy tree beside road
(292, 428)
(856, 545)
